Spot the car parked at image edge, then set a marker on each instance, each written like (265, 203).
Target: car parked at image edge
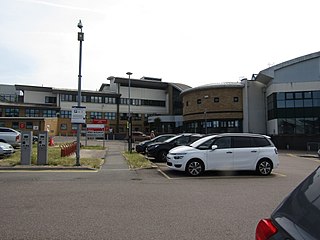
(6, 150)
(226, 152)
(141, 147)
(159, 150)
(298, 216)
(10, 136)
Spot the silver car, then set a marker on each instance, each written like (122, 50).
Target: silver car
(11, 136)
(6, 149)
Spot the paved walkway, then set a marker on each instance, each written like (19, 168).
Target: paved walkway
(114, 157)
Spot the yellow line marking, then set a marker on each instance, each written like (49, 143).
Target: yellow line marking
(165, 175)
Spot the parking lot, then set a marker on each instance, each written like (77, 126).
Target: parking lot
(155, 203)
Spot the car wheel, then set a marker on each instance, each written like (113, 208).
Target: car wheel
(162, 156)
(264, 167)
(195, 167)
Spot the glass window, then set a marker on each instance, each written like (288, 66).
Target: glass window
(216, 99)
(307, 94)
(11, 112)
(206, 145)
(198, 101)
(298, 95)
(316, 102)
(15, 125)
(307, 102)
(65, 114)
(49, 113)
(235, 99)
(29, 125)
(289, 95)
(242, 142)
(316, 94)
(182, 140)
(281, 104)
(300, 126)
(63, 126)
(215, 124)
(298, 103)
(289, 103)
(223, 142)
(261, 142)
(110, 115)
(281, 96)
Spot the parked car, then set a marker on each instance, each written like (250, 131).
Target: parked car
(298, 216)
(159, 150)
(141, 147)
(239, 151)
(138, 136)
(6, 149)
(11, 136)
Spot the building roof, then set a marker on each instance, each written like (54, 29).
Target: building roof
(266, 75)
(213, 86)
(146, 82)
(153, 84)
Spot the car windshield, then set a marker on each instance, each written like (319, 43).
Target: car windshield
(201, 141)
(172, 138)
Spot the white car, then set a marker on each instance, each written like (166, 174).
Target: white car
(6, 149)
(229, 151)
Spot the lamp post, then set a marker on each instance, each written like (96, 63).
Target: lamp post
(80, 39)
(205, 120)
(129, 117)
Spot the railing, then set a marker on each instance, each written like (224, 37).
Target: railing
(68, 149)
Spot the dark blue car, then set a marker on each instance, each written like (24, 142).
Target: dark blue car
(298, 216)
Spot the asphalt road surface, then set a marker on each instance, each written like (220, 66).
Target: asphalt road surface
(118, 203)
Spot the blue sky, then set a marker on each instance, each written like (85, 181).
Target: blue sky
(192, 42)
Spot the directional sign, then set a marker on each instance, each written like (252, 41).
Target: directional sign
(78, 114)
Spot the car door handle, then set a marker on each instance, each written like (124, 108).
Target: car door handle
(253, 151)
(228, 152)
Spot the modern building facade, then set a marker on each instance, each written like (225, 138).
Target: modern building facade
(31, 107)
(290, 98)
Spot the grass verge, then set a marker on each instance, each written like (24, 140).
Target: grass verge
(54, 158)
(137, 160)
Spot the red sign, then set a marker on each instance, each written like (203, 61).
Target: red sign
(22, 125)
(100, 121)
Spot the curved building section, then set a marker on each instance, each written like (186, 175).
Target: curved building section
(213, 108)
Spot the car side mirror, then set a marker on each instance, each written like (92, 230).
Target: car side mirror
(214, 147)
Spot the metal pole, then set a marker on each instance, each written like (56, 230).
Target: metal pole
(129, 116)
(80, 39)
(205, 119)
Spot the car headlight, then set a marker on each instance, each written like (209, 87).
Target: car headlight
(178, 155)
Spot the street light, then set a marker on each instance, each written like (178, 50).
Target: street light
(129, 117)
(80, 39)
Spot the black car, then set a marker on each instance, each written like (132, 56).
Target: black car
(298, 216)
(141, 147)
(159, 150)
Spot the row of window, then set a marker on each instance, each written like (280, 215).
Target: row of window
(30, 112)
(293, 104)
(215, 100)
(299, 125)
(14, 112)
(112, 100)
